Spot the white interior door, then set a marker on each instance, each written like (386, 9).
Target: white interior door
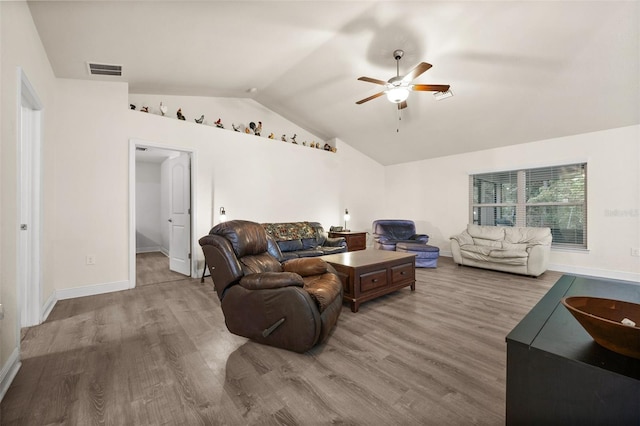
(28, 251)
(180, 214)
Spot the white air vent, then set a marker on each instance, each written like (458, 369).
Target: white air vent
(104, 69)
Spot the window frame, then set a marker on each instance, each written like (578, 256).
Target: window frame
(521, 205)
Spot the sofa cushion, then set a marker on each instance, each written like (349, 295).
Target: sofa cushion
(309, 243)
(507, 254)
(513, 246)
(487, 243)
(486, 232)
(309, 253)
(472, 250)
(291, 245)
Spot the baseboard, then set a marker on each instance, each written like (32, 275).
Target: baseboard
(9, 371)
(48, 307)
(164, 251)
(148, 249)
(92, 290)
(593, 272)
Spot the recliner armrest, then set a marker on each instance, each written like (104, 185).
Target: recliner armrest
(421, 238)
(271, 280)
(305, 266)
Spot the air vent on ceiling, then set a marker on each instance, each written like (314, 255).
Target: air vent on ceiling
(104, 69)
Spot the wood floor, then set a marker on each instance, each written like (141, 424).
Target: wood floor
(160, 354)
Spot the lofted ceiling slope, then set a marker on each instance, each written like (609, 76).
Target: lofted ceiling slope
(520, 71)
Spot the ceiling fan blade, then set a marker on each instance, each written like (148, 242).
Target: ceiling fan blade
(414, 73)
(370, 97)
(373, 80)
(430, 87)
(402, 105)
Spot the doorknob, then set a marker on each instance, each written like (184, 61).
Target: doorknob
(170, 220)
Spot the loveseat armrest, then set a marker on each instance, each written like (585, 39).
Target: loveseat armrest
(462, 238)
(335, 242)
(271, 280)
(538, 261)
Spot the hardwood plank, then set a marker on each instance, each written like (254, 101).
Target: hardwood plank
(161, 354)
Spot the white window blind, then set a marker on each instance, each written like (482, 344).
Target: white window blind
(554, 197)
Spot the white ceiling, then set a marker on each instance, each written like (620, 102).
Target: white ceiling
(520, 71)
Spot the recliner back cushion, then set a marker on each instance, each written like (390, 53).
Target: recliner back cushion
(257, 263)
(399, 231)
(246, 238)
(528, 235)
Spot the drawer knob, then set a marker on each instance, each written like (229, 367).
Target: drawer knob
(403, 273)
(375, 280)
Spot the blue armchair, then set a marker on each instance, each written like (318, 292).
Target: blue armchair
(388, 232)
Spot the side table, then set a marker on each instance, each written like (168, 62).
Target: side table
(355, 240)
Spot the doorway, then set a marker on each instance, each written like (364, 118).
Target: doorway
(161, 221)
(29, 132)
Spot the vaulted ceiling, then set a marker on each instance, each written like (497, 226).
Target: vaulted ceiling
(520, 71)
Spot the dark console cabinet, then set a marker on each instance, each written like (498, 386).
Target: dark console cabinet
(557, 374)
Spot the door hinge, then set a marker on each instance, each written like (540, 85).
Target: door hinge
(23, 227)
(189, 255)
(189, 210)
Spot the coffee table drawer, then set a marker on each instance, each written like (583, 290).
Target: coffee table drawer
(403, 272)
(373, 280)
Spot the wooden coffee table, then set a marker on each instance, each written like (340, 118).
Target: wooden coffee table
(367, 274)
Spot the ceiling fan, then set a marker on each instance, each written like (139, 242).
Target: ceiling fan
(397, 88)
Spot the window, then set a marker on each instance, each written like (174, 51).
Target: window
(555, 197)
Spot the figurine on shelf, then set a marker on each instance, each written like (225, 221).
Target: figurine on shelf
(258, 129)
(247, 130)
(304, 143)
(327, 147)
(199, 120)
(313, 144)
(132, 106)
(293, 139)
(252, 126)
(334, 149)
(144, 109)
(283, 138)
(179, 114)
(318, 145)
(272, 136)
(237, 129)
(163, 109)
(219, 124)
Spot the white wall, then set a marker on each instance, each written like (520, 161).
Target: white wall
(20, 47)
(148, 207)
(435, 194)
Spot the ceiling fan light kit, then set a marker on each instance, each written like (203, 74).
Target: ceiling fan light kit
(397, 94)
(397, 88)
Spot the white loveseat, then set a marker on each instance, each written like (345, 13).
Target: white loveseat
(523, 250)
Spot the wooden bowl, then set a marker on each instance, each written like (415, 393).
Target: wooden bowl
(601, 318)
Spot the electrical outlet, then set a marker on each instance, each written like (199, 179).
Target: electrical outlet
(91, 259)
(635, 251)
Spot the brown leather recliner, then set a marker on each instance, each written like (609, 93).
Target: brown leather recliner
(292, 305)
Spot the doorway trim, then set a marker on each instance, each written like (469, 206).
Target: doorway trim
(133, 144)
(29, 203)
